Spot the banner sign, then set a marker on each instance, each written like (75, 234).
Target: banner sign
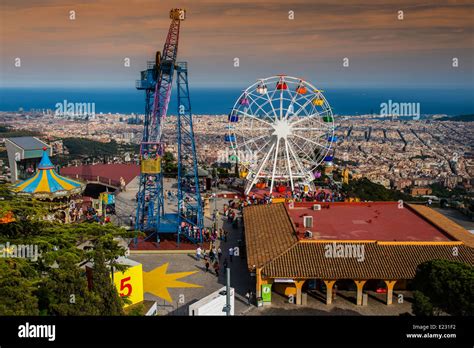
(267, 292)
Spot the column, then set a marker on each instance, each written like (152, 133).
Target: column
(360, 287)
(390, 285)
(299, 286)
(329, 286)
(258, 273)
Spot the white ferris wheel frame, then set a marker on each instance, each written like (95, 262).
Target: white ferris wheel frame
(284, 151)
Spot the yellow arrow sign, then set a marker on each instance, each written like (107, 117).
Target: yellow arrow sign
(158, 281)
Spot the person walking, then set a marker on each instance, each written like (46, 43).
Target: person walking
(231, 253)
(248, 295)
(219, 253)
(225, 236)
(198, 253)
(207, 266)
(131, 220)
(216, 268)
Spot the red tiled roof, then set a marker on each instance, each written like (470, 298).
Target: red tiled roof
(268, 233)
(272, 243)
(308, 260)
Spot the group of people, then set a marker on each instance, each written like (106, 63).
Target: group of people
(214, 255)
(91, 215)
(76, 213)
(171, 194)
(209, 234)
(294, 196)
(212, 258)
(231, 215)
(318, 196)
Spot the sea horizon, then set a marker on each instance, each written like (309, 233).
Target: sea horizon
(219, 101)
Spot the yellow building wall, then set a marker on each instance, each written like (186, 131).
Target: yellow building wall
(285, 289)
(130, 283)
(278, 200)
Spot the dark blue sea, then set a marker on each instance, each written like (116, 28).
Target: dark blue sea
(344, 101)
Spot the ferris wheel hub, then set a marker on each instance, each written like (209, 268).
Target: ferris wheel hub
(282, 129)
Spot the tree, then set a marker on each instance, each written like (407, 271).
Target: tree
(444, 286)
(110, 301)
(422, 305)
(442, 192)
(17, 287)
(8, 132)
(366, 190)
(136, 310)
(23, 208)
(83, 147)
(65, 291)
(45, 286)
(169, 163)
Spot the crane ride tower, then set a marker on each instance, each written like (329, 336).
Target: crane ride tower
(157, 81)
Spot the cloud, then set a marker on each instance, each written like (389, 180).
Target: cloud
(258, 32)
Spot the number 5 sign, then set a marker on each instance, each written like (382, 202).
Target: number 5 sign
(130, 282)
(125, 284)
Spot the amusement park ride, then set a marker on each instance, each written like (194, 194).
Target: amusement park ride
(285, 127)
(157, 81)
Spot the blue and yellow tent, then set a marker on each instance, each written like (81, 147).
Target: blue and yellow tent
(46, 183)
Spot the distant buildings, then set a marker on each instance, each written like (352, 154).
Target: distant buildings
(420, 191)
(394, 153)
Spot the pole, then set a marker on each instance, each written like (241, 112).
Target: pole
(215, 203)
(227, 290)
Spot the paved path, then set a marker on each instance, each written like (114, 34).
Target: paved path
(125, 204)
(240, 279)
(344, 304)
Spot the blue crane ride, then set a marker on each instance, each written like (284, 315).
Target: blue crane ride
(157, 81)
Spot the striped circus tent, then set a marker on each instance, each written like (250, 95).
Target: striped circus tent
(46, 183)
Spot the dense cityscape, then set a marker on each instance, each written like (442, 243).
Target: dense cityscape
(395, 153)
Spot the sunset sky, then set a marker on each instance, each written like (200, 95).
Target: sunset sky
(382, 50)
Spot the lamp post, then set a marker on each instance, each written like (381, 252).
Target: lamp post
(227, 307)
(214, 194)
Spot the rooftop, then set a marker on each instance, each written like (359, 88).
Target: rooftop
(113, 171)
(28, 143)
(268, 232)
(402, 238)
(381, 221)
(381, 261)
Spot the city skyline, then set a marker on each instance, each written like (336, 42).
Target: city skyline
(382, 50)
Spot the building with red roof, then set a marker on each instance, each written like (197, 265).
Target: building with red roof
(292, 247)
(113, 174)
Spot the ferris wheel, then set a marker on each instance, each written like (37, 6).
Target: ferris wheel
(280, 130)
